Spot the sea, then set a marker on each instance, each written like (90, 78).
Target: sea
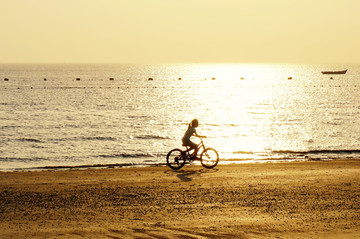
(63, 116)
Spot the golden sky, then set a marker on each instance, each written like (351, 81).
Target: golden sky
(180, 31)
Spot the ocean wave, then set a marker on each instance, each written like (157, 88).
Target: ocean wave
(320, 151)
(149, 136)
(127, 155)
(256, 113)
(9, 126)
(294, 154)
(14, 159)
(30, 140)
(220, 125)
(334, 123)
(244, 152)
(101, 138)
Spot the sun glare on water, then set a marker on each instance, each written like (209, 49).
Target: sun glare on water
(250, 109)
(233, 103)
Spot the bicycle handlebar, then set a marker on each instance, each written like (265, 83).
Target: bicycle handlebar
(200, 136)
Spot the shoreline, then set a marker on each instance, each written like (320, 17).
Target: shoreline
(318, 199)
(163, 164)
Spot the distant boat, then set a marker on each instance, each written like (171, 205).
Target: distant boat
(334, 72)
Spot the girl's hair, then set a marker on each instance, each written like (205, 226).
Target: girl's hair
(194, 123)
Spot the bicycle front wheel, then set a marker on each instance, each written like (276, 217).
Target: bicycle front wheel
(175, 159)
(209, 158)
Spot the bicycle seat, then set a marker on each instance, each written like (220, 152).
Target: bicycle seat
(187, 147)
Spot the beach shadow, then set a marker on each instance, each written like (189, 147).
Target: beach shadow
(190, 174)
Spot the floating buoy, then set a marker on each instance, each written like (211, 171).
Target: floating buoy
(213, 78)
(111, 79)
(6, 79)
(290, 78)
(77, 79)
(150, 78)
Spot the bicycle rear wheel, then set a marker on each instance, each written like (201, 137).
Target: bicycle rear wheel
(175, 159)
(209, 158)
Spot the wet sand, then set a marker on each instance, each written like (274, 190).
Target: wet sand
(313, 199)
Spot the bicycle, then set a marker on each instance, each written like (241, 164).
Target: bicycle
(177, 158)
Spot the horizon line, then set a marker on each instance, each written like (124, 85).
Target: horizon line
(181, 63)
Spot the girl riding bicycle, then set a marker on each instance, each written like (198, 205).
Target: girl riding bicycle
(176, 158)
(190, 132)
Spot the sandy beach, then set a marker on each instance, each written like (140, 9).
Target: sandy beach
(313, 199)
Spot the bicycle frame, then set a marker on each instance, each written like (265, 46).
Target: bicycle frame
(201, 145)
(209, 157)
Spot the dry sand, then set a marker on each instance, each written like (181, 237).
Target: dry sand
(277, 200)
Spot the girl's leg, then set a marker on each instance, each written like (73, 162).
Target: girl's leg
(192, 146)
(195, 148)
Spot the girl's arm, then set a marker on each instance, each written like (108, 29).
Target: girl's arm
(200, 136)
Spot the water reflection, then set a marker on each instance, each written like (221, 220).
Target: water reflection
(248, 111)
